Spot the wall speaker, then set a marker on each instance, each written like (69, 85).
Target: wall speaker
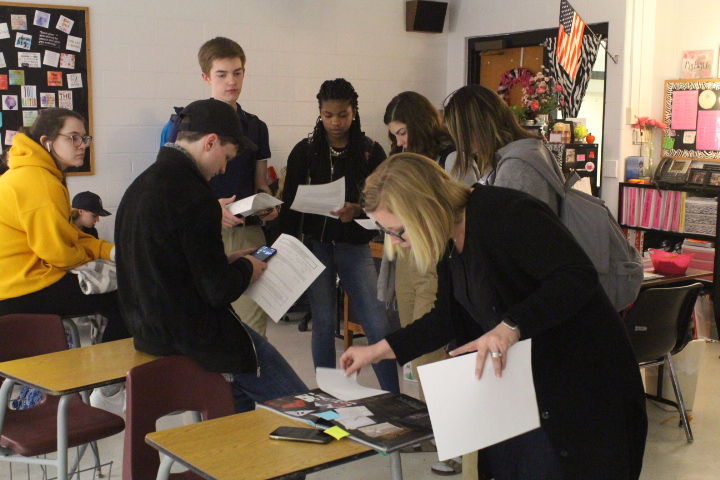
(425, 16)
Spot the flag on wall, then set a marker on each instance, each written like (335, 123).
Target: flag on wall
(570, 38)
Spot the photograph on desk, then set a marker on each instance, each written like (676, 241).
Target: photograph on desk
(385, 422)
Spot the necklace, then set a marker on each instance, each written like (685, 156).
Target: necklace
(336, 153)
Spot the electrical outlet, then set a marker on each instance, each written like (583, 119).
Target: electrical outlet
(638, 137)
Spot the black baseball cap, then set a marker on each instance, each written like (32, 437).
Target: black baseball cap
(214, 116)
(90, 202)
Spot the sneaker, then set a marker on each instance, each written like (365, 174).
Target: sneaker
(448, 467)
(114, 403)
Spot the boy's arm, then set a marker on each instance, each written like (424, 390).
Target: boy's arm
(261, 176)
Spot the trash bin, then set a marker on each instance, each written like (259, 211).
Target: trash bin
(687, 368)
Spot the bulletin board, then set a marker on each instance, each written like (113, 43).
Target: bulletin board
(44, 62)
(692, 114)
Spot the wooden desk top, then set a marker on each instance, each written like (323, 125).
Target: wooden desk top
(76, 369)
(238, 447)
(668, 278)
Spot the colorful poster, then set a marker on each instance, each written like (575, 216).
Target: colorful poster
(4, 32)
(28, 60)
(64, 24)
(684, 110)
(708, 131)
(29, 117)
(29, 96)
(54, 79)
(23, 41)
(73, 43)
(697, 64)
(18, 22)
(51, 58)
(65, 99)
(3, 82)
(42, 19)
(9, 134)
(47, 99)
(9, 102)
(74, 80)
(47, 38)
(67, 60)
(17, 77)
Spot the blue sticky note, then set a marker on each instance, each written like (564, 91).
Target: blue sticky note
(329, 415)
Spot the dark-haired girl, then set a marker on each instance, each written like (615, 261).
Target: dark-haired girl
(39, 243)
(338, 148)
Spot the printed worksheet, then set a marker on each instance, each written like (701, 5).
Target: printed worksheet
(320, 199)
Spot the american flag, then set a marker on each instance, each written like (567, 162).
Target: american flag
(570, 38)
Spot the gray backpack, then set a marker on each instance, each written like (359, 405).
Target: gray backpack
(618, 263)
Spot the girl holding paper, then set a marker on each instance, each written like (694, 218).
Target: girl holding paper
(338, 148)
(501, 280)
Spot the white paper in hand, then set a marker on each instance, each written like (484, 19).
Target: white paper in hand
(334, 382)
(320, 199)
(252, 204)
(469, 414)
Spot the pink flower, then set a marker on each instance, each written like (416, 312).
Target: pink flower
(541, 90)
(562, 102)
(558, 88)
(534, 105)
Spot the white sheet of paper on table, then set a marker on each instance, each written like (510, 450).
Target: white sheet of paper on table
(334, 382)
(469, 414)
(290, 272)
(320, 199)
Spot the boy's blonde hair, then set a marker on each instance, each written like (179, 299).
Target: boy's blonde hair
(218, 48)
(425, 199)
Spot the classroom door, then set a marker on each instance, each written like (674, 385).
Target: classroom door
(494, 64)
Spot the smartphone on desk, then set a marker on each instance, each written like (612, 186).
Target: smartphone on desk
(264, 253)
(299, 434)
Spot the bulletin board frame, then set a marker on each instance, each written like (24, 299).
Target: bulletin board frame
(46, 63)
(692, 114)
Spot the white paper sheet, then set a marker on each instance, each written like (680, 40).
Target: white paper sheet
(320, 199)
(367, 223)
(334, 382)
(290, 272)
(469, 414)
(254, 203)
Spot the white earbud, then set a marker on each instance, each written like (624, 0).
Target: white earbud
(49, 146)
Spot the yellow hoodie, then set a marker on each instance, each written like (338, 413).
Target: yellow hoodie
(38, 242)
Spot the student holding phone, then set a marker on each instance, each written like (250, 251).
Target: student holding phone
(501, 279)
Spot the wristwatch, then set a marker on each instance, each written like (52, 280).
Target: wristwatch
(510, 324)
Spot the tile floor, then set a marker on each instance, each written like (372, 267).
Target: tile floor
(668, 456)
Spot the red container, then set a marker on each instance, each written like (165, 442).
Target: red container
(668, 262)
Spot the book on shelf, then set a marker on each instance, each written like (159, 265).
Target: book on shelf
(386, 422)
(635, 237)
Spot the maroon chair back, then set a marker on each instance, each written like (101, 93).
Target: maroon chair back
(161, 387)
(27, 335)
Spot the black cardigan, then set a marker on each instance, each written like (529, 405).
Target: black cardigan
(174, 281)
(589, 391)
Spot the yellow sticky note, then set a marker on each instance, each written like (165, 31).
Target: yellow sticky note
(337, 432)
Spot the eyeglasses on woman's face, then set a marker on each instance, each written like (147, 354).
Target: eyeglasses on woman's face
(398, 235)
(78, 140)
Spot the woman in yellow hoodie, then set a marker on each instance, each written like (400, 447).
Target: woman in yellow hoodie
(39, 242)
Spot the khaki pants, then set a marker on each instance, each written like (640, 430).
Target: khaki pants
(239, 238)
(416, 293)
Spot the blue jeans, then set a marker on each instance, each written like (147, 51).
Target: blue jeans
(277, 378)
(354, 264)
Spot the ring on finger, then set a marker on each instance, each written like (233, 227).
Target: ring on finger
(496, 354)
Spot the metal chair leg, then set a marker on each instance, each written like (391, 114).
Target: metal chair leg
(681, 403)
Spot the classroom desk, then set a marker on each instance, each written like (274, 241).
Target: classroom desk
(71, 371)
(669, 279)
(238, 447)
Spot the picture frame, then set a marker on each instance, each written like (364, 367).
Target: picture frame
(698, 176)
(714, 179)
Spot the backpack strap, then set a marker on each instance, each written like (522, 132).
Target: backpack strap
(552, 174)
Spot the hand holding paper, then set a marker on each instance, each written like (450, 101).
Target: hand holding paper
(253, 204)
(320, 199)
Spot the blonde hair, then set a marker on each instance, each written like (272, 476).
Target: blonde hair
(425, 199)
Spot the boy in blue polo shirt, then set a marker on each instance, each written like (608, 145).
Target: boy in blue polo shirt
(222, 62)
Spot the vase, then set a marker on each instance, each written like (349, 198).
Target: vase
(649, 168)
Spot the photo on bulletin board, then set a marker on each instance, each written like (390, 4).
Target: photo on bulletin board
(44, 62)
(692, 114)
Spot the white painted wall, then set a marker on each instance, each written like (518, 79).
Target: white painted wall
(472, 18)
(144, 61)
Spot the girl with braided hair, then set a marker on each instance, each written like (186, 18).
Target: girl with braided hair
(338, 148)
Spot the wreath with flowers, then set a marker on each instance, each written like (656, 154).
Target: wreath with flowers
(519, 75)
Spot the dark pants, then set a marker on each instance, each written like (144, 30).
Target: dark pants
(64, 298)
(529, 456)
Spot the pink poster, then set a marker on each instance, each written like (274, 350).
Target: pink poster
(684, 110)
(708, 130)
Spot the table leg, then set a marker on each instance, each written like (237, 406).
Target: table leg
(62, 437)
(165, 466)
(396, 465)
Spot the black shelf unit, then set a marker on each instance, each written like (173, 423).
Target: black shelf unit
(698, 191)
